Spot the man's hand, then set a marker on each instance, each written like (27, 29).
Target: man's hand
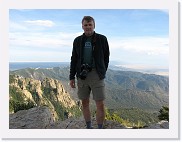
(72, 83)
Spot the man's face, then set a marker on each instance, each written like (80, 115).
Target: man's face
(88, 27)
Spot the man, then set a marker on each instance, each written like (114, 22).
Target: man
(89, 62)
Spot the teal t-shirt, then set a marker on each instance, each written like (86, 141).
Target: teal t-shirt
(87, 52)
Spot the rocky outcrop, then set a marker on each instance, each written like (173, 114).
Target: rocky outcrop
(49, 92)
(160, 125)
(79, 123)
(28, 86)
(42, 118)
(35, 118)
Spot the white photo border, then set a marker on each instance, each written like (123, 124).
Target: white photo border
(171, 133)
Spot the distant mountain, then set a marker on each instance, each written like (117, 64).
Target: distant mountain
(43, 65)
(143, 69)
(126, 89)
(135, 89)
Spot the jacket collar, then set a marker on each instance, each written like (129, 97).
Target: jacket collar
(91, 35)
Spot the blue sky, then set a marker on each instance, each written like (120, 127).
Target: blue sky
(136, 37)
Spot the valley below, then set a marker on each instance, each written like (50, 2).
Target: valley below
(133, 98)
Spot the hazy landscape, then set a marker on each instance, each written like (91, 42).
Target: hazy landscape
(134, 96)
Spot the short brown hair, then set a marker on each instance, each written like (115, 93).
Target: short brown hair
(88, 19)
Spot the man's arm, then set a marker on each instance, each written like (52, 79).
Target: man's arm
(73, 62)
(106, 53)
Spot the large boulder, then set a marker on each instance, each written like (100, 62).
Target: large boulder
(160, 125)
(35, 118)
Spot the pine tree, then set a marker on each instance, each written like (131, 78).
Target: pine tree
(164, 113)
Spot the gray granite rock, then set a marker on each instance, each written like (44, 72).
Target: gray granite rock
(35, 118)
(42, 118)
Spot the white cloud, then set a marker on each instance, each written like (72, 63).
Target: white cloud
(65, 35)
(54, 44)
(143, 45)
(41, 40)
(16, 26)
(46, 23)
(33, 55)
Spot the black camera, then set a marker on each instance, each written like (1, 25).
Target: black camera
(85, 68)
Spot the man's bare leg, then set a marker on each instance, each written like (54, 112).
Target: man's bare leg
(100, 114)
(86, 112)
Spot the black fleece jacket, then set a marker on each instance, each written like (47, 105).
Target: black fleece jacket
(100, 55)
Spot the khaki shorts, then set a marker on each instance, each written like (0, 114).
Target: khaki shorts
(91, 83)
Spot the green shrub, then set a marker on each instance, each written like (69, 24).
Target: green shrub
(164, 113)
